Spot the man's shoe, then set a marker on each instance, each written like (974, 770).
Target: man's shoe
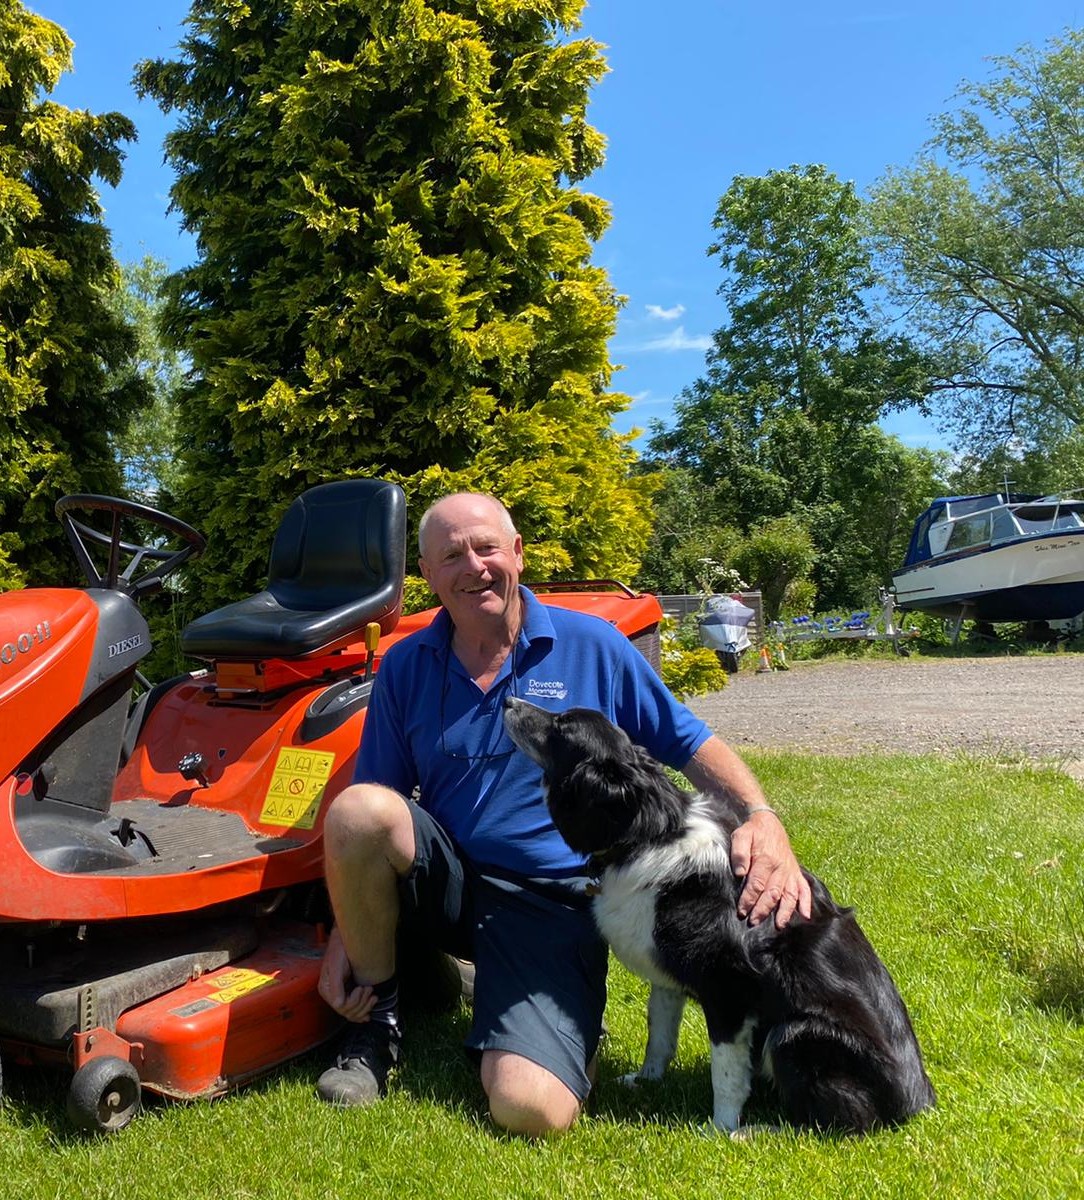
(360, 1075)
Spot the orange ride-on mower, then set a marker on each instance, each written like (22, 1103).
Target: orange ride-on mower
(161, 899)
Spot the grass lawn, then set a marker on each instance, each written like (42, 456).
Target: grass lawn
(968, 876)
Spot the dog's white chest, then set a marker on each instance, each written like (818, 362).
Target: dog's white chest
(625, 914)
(626, 908)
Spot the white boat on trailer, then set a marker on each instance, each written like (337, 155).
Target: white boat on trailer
(1003, 556)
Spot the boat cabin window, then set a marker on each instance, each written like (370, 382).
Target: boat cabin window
(1004, 525)
(1042, 520)
(969, 531)
(939, 536)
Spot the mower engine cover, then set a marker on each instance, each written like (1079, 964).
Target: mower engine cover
(57, 648)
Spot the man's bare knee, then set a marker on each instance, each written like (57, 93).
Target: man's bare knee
(367, 818)
(526, 1099)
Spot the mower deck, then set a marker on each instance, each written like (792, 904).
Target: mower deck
(188, 839)
(65, 982)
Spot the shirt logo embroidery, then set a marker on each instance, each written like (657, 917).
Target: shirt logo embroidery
(549, 689)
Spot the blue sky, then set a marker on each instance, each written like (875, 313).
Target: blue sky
(699, 91)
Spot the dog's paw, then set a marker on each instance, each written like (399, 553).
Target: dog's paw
(650, 1072)
(711, 1130)
(747, 1133)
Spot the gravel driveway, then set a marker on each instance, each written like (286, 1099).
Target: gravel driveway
(1029, 705)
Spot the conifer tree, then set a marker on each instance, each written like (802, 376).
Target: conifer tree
(393, 272)
(61, 341)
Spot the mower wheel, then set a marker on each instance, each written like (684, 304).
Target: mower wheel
(104, 1095)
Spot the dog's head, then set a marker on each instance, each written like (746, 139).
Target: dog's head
(605, 794)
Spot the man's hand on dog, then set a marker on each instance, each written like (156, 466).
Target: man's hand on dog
(760, 853)
(759, 848)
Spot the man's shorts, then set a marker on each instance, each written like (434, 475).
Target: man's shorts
(540, 964)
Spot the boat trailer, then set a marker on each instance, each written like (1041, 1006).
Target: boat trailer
(859, 626)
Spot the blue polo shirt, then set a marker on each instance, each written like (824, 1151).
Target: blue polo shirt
(429, 726)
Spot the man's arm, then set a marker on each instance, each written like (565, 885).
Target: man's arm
(759, 849)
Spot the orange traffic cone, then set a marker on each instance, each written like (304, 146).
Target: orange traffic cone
(765, 661)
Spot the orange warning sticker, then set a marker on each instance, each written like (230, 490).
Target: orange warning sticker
(297, 787)
(235, 983)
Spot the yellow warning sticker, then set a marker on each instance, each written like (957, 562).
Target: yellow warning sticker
(235, 983)
(297, 787)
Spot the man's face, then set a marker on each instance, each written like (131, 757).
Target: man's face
(472, 561)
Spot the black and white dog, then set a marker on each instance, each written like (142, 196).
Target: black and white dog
(812, 1001)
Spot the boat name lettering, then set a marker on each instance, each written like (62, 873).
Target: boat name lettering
(125, 644)
(24, 643)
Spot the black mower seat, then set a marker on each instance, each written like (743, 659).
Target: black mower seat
(337, 564)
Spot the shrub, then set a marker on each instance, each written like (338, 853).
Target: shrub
(687, 671)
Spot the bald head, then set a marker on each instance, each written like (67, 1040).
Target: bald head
(472, 558)
(460, 507)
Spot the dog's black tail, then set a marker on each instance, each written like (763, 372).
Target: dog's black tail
(831, 1081)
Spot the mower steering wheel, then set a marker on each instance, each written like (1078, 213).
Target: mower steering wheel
(128, 580)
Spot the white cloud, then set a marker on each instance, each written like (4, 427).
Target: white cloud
(676, 339)
(650, 406)
(657, 313)
(645, 408)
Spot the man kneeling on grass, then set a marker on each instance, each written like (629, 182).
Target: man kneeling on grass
(477, 862)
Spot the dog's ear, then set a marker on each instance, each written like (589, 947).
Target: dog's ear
(601, 778)
(660, 805)
(591, 806)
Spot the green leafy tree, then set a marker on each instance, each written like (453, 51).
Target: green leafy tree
(857, 490)
(777, 555)
(690, 546)
(800, 332)
(983, 235)
(61, 342)
(878, 488)
(782, 425)
(1054, 465)
(393, 272)
(147, 445)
